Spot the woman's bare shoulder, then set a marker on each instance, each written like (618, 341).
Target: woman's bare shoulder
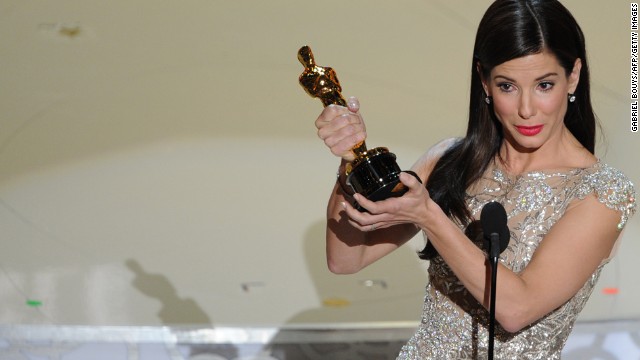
(425, 164)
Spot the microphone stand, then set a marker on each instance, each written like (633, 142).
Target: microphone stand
(494, 253)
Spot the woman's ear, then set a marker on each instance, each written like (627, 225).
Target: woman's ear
(574, 77)
(482, 79)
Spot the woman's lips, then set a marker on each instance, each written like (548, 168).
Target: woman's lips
(529, 130)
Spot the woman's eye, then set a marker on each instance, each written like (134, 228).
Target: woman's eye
(506, 87)
(546, 86)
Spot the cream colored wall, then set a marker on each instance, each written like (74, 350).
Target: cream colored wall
(159, 165)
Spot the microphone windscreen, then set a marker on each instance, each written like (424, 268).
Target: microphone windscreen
(493, 219)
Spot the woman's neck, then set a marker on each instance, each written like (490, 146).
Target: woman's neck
(563, 151)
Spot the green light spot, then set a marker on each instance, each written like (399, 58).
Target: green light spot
(34, 303)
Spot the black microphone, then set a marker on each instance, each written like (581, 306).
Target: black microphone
(493, 219)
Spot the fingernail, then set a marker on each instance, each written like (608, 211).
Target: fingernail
(344, 205)
(353, 103)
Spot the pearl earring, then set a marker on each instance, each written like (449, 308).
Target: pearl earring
(572, 98)
(487, 99)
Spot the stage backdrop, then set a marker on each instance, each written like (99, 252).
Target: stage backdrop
(159, 163)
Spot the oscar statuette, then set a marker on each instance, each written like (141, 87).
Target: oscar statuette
(374, 173)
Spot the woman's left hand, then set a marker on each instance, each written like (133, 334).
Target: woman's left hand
(412, 207)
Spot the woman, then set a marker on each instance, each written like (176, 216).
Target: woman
(529, 146)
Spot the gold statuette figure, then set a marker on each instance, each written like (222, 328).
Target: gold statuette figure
(318, 81)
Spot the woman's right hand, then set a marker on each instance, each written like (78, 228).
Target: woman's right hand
(342, 128)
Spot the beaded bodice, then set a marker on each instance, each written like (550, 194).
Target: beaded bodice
(454, 324)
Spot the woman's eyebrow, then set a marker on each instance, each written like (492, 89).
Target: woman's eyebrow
(537, 79)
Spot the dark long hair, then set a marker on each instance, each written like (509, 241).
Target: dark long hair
(509, 29)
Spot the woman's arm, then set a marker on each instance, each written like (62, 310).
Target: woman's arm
(569, 254)
(351, 247)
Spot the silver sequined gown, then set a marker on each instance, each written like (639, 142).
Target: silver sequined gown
(454, 324)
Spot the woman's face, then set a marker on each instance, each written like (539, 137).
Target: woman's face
(530, 98)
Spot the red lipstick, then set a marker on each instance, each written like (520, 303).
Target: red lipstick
(529, 130)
